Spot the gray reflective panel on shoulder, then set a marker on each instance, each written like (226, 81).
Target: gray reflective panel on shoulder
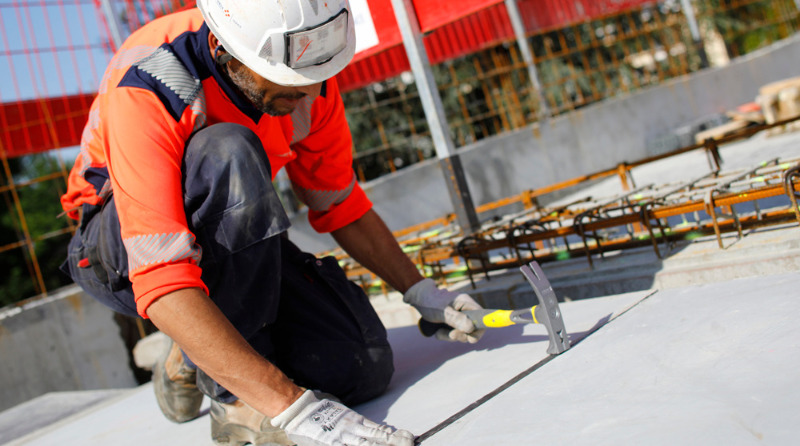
(164, 66)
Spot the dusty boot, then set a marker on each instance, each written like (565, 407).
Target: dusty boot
(237, 424)
(175, 386)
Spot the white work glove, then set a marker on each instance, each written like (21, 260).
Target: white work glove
(310, 421)
(442, 306)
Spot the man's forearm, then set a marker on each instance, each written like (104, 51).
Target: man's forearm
(195, 323)
(370, 242)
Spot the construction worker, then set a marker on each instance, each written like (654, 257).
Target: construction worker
(179, 222)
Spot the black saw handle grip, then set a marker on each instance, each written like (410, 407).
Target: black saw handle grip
(429, 329)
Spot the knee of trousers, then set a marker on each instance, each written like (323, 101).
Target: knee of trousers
(373, 376)
(229, 197)
(354, 374)
(228, 155)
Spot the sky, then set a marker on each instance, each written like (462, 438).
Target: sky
(50, 48)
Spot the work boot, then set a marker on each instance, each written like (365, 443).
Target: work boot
(175, 385)
(237, 424)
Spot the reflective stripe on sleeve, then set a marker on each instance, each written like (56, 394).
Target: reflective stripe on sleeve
(323, 200)
(152, 249)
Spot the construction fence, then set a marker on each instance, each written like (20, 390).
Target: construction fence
(55, 52)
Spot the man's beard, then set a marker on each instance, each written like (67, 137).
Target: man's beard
(247, 85)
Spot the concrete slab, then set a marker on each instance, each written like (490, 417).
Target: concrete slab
(433, 379)
(441, 377)
(47, 409)
(696, 365)
(713, 364)
(133, 418)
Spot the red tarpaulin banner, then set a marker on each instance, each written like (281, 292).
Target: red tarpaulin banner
(43, 124)
(546, 14)
(459, 28)
(431, 15)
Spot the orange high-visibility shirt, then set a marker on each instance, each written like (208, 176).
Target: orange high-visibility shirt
(160, 87)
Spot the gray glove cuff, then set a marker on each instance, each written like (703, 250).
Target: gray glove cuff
(414, 294)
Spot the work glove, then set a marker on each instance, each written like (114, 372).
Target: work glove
(310, 421)
(442, 306)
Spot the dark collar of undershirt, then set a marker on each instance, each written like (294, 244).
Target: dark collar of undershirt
(223, 80)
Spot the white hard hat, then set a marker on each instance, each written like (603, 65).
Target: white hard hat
(288, 42)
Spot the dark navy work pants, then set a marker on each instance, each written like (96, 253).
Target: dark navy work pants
(298, 311)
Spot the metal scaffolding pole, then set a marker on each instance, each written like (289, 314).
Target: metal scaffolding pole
(434, 114)
(519, 32)
(113, 25)
(694, 29)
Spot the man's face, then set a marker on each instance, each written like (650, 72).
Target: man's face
(269, 97)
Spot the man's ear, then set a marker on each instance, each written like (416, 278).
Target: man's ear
(218, 52)
(213, 42)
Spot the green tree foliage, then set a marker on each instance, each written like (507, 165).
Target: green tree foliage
(388, 126)
(747, 26)
(40, 206)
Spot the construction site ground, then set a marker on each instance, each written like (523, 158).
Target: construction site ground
(700, 347)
